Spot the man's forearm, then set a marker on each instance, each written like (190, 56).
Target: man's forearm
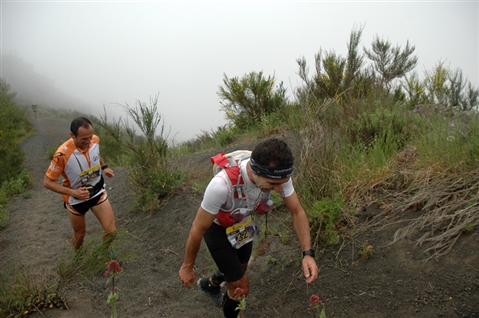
(192, 248)
(56, 187)
(301, 227)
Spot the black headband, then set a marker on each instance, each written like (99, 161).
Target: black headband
(272, 172)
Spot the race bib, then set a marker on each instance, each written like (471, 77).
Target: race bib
(242, 233)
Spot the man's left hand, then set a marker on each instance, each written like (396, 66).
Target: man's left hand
(310, 269)
(109, 173)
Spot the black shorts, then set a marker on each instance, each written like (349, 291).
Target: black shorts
(82, 208)
(228, 259)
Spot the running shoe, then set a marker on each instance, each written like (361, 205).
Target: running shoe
(214, 292)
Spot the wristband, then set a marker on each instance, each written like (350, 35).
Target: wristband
(104, 167)
(309, 252)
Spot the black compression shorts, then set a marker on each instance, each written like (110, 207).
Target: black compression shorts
(228, 259)
(82, 208)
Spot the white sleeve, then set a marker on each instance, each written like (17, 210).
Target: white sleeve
(288, 188)
(216, 194)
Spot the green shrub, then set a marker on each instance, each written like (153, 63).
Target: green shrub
(326, 217)
(10, 188)
(225, 135)
(151, 185)
(14, 124)
(145, 155)
(16, 185)
(22, 292)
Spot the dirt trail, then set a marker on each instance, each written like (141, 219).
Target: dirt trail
(393, 283)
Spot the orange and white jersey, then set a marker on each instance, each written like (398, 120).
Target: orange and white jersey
(78, 168)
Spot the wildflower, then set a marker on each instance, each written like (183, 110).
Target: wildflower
(114, 267)
(240, 297)
(239, 292)
(314, 301)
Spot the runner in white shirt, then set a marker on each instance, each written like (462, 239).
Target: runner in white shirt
(269, 169)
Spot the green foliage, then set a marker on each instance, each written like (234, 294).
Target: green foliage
(436, 83)
(468, 228)
(442, 86)
(26, 195)
(366, 251)
(335, 77)
(151, 185)
(326, 216)
(457, 147)
(388, 126)
(271, 260)
(51, 151)
(146, 155)
(10, 188)
(415, 91)
(244, 100)
(13, 125)
(225, 135)
(22, 292)
(391, 62)
(273, 123)
(16, 185)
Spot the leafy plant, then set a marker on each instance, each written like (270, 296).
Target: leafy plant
(151, 179)
(240, 297)
(22, 292)
(271, 260)
(316, 303)
(113, 270)
(50, 152)
(13, 124)
(10, 188)
(225, 135)
(26, 195)
(366, 251)
(326, 216)
(391, 62)
(244, 100)
(468, 228)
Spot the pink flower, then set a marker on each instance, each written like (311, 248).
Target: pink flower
(107, 274)
(239, 292)
(114, 267)
(314, 301)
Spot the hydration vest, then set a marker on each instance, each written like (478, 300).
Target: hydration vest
(229, 163)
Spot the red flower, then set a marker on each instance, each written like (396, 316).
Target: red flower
(314, 301)
(239, 292)
(107, 274)
(114, 267)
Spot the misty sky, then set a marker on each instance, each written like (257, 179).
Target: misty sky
(107, 53)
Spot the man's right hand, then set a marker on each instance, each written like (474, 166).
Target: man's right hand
(82, 194)
(187, 275)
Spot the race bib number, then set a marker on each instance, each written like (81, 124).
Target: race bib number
(242, 233)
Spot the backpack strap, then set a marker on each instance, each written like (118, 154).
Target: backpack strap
(220, 160)
(237, 182)
(232, 169)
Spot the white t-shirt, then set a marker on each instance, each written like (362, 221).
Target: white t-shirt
(219, 194)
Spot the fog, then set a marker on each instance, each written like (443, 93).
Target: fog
(90, 55)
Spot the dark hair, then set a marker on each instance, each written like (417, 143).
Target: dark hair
(79, 122)
(272, 151)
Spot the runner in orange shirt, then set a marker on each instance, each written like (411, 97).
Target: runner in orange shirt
(78, 161)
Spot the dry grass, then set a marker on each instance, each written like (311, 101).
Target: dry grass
(447, 201)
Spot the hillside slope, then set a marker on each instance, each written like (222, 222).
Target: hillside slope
(395, 282)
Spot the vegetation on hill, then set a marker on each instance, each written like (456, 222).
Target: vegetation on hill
(365, 129)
